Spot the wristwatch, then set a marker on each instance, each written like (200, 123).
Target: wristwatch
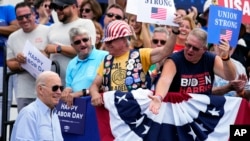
(85, 92)
(58, 49)
(225, 58)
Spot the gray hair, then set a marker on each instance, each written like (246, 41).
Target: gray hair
(44, 77)
(200, 34)
(161, 30)
(80, 30)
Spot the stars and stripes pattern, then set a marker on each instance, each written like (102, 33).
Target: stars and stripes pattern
(226, 34)
(158, 13)
(181, 117)
(116, 29)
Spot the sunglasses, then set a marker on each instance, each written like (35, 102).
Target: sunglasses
(47, 6)
(57, 7)
(20, 18)
(193, 47)
(56, 87)
(156, 41)
(111, 15)
(77, 42)
(85, 10)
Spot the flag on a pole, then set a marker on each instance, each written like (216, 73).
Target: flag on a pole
(181, 117)
(158, 13)
(226, 34)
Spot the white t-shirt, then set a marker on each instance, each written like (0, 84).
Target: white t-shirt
(25, 83)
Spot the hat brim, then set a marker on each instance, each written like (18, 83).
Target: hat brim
(57, 3)
(113, 38)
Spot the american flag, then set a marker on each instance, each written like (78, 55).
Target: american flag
(181, 117)
(226, 34)
(158, 13)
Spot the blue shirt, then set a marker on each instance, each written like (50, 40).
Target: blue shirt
(80, 74)
(36, 122)
(7, 15)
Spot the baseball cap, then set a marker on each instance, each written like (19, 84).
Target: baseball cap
(116, 29)
(63, 2)
(207, 5)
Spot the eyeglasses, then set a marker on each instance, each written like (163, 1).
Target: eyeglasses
(193, 47)
(111, 15)
(57, 7)
(85, 10)
(77, 42)
(55, 88)
(156, 41)
(20, 18)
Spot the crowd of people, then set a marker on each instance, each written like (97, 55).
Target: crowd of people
(100, 48)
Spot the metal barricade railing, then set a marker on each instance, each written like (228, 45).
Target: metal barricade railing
(57, 66)
(5, 122)
(4, 96)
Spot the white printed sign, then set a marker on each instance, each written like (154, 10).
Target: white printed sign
(132, 7)
(156, 12)
(36, 62)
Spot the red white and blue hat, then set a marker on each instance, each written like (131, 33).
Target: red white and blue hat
(116, 29)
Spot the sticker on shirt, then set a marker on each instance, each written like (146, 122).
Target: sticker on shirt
(106, 71)
(136, 70)
(139, 66)
(109, 57)
(107, 63)
(38, 40)
(129, 73)
(134, 54)
(131, 61)
(129, 81)
(130, 67)
(136, 77)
